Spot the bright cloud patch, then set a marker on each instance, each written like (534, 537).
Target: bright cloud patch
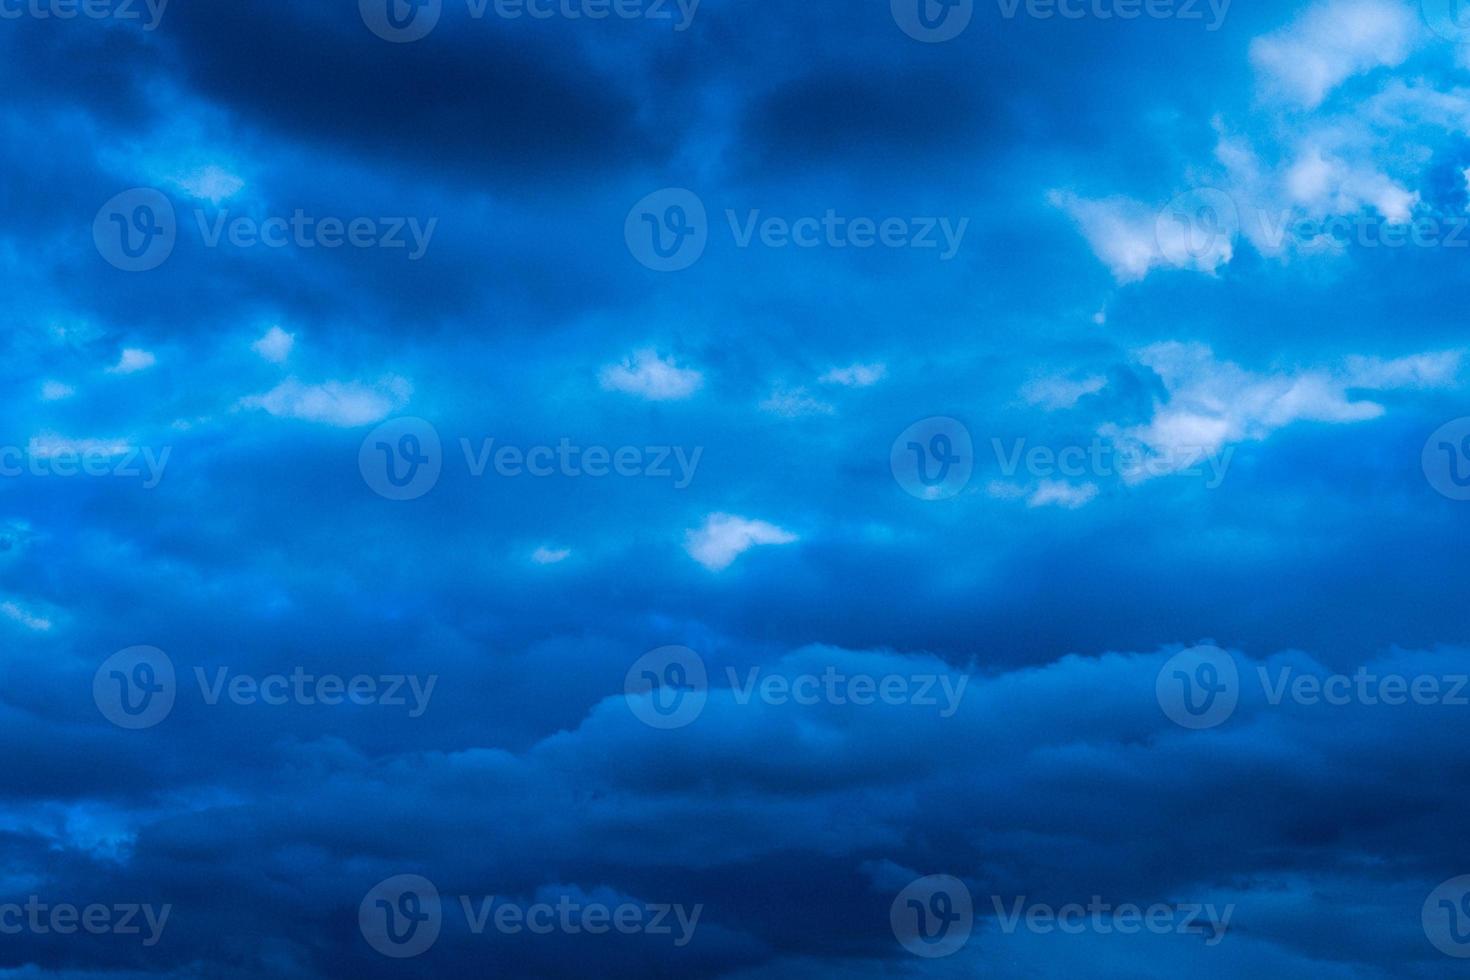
(725, 537)
(1059, 493)
(855, 375)
(337, 403)
(29, 620)
(649, 376)
(210, 183)
(55, 391)
(1058, 393)
(795, 403)
(133, 360)
(275, 346)
(1330, 43)
(550, 556)
(1212, 404)
(1125, 235)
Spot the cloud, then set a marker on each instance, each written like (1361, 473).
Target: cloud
(55, 391)
(1054, 393)
(1329, 43)
(855, 375)
(550, 556)
(1124, 234)
(51, 446)
(725, 537)
(30, 621)
(275, 346)
(649, 376)
(132, 360)
(338, 403)
(795, 403)
(1211, 404)
(1059, 493)
(211, 183)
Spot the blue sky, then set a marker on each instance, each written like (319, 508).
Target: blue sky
(848, 475)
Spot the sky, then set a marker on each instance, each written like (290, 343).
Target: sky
(642, 488)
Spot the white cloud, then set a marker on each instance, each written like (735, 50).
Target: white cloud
(1212, 404)
(30, 621)
(1054, 393)
(48, 445)
(795, 404)
(210, 183)
(550, 556)
(725, 537)
(1059, 493)
(1329, 43)
(855, 375)
(1124, 234)
(133, 360)
(649, 376)
(55, 391)
(275, 346)
(344, 404)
